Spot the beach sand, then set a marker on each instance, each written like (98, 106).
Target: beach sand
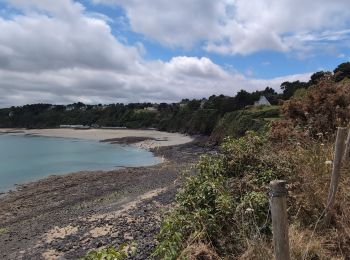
(156, 138)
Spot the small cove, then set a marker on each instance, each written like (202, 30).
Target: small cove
(29, 158)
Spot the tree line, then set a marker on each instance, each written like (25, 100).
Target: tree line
(196, 116)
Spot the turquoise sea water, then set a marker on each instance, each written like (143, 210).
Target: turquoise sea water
(28, 158)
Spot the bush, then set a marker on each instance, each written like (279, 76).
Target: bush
(324, 107)
(202, 204)
(225, 204)
(111, 253)
(236, 123)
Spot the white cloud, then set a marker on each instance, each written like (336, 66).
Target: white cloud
(173, 23)
(59, 35)
(181, 77)
(56, 52)
(239, 26)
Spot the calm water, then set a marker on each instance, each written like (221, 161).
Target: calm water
(26, 158)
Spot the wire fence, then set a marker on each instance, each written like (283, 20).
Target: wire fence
(279, 211)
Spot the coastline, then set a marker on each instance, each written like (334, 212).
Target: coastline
(65, 216)
(150, 138)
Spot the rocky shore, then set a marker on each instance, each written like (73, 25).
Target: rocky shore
(64, 217)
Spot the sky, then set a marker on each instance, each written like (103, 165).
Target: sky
(109, 51)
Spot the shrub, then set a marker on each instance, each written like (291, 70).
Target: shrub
(203, 205)
(325, 107)
(236, 123)
(225, 204)
(111, 253)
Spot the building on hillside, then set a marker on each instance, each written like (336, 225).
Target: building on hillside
(152, 108)
(262, 102)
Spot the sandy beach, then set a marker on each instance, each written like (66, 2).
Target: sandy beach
(152, 138)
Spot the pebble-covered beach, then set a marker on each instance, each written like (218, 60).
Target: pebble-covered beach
(64, 217)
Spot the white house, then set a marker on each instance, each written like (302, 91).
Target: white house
(262, 101)
(150, 108)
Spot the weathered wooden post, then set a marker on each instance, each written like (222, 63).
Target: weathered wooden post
(279, 219)
(337, 160)
(347, 149)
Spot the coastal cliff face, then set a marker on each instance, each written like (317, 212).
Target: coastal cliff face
(67, 216)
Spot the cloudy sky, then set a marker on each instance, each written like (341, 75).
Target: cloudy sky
(107, 51)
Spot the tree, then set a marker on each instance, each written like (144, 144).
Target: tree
(194, 104)
(289, 88)
(243, 99)
(342, 71)
(316, 77)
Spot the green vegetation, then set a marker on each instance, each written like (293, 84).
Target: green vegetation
(3, 231)
(225, 203)
(342, 72)
(188, 116)
(238, 122)
(197, 116)
(223, 210)
(111, 253)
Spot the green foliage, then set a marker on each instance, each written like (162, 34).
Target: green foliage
(342, 72)
(300, 93)
(197, 116)
(318, 76)
(111, 253)
(253, 205)
(210, 210)
(202, 205)
(242, 153)
(237, 123)
(289, 88)
(3, 231)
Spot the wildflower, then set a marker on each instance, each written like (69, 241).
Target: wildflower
(328, 162)
(249, 210)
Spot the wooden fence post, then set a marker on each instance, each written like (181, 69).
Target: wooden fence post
(279, 219)
(347, 149)
(337, 160)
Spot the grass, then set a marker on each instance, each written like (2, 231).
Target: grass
(272, 119)
(263, 108)
(3, 231)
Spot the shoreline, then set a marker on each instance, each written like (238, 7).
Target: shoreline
(142, 139)
(146, 139)
(65, 216)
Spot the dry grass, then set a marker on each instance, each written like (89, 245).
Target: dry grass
(200, 252)
(305, 246)
(258, 249)
(310, 181)
(311, 236)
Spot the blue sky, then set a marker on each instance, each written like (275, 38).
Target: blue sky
(156, 50)
(263, 64)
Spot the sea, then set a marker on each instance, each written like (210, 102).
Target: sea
(29, 158)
